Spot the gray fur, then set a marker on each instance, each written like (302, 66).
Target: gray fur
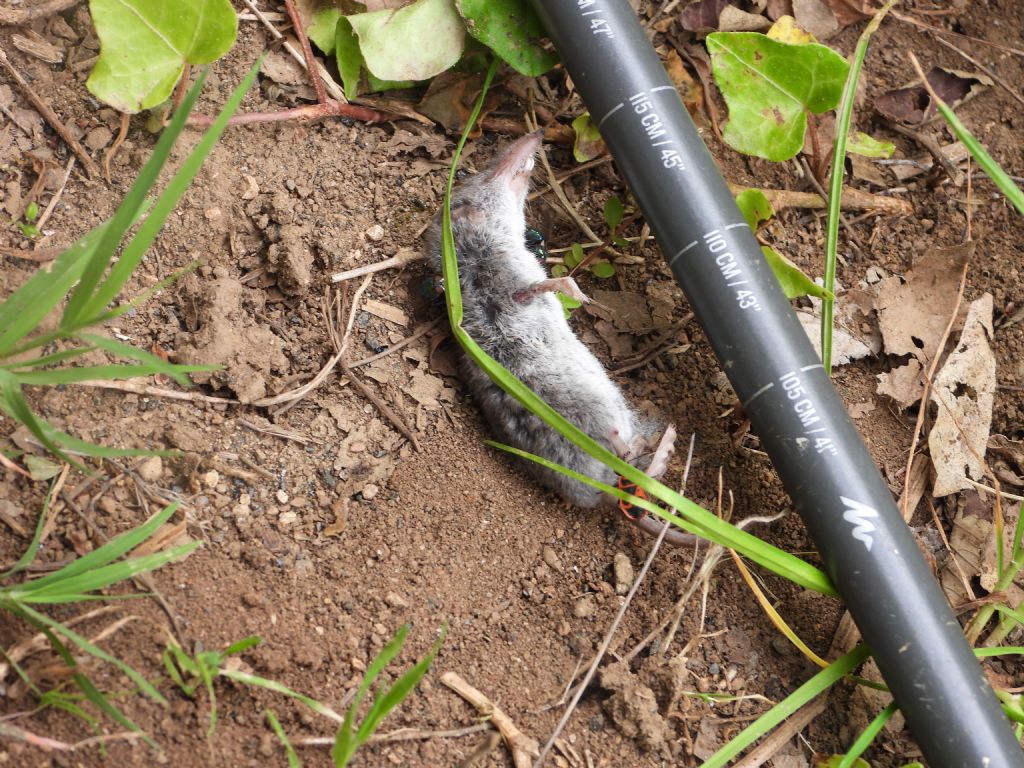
(532, 338)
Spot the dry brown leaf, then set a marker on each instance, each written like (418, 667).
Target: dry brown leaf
(913, 313)
(854, 334)
(386, 312)
(689, 88)
(904, 384)
(913, 104)
(732, 19)
(167, 536)
(816, 17)
(283, 69)
(964, 392)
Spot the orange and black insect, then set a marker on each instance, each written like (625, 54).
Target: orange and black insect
(634, 513)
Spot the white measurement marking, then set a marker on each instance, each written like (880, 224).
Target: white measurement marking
(613, 110)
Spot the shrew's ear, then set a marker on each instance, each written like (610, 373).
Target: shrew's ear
(466, 212)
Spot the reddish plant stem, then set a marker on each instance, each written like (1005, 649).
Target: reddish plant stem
(307, 113)
(307, 52)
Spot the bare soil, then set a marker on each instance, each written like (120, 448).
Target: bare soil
(324, 530)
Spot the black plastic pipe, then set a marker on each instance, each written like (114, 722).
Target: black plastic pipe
(825, 467)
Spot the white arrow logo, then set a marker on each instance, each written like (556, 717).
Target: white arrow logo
(858, 514)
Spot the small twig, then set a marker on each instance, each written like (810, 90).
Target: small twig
(556, 187)
(423, 330)
(306, 113)
(402, 734)
(851, 200)
(40, 642)
(995, 78)
(781, 735)
(482, 750)
(274, 430)
(934, 150)
(49, 115)
(522, 746)
(332, 87)
(853, 241)
(48, 211)
(143, 389)
(13, 17)
(939, 30)
(341, 345)
(122, 134)
(610, 634)
(307, 51)
(399, 260)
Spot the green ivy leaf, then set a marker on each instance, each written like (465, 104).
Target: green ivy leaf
(574, 256)
(793, 281)
(867, 146)
(145, 45)
(769, 86)
(603, 269)
(512, 30)
(348, 56)
(754, 206)
(415, 42)
(559, 270)
(323, 28)
(613, 211)
(587, 143)
(568, 304)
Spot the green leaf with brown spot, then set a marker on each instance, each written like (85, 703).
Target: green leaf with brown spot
(770, 86)
(512, 30)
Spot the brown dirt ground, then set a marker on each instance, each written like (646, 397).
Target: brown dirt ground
(327, 537)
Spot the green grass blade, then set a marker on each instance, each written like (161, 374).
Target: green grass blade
(398, 692)
(33, 547)
(127, 212)
(346, 741)
(770, 557)
(276, 687)
(23, 310)
(289, 750)
(56, 357)
(1009, 612)
(774, 716)
(176, 372)
(981, 156)
(835, 191)
(101, 702)
(867, 736)
(1006, 650)
(121, 271)
(13, 403)
(101, 556)
(718, 531)
(80, 586)
(73, 637)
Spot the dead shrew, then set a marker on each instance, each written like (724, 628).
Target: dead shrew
(512, 313)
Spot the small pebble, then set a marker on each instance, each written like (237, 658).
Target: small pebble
(281, 496)
(370, 491)
(150, 469)
(395, 600)
(375, 233)
(287, 518)
(98, 138)
(585, 607)
(552, 559)
(623, 570)
(211, 478)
